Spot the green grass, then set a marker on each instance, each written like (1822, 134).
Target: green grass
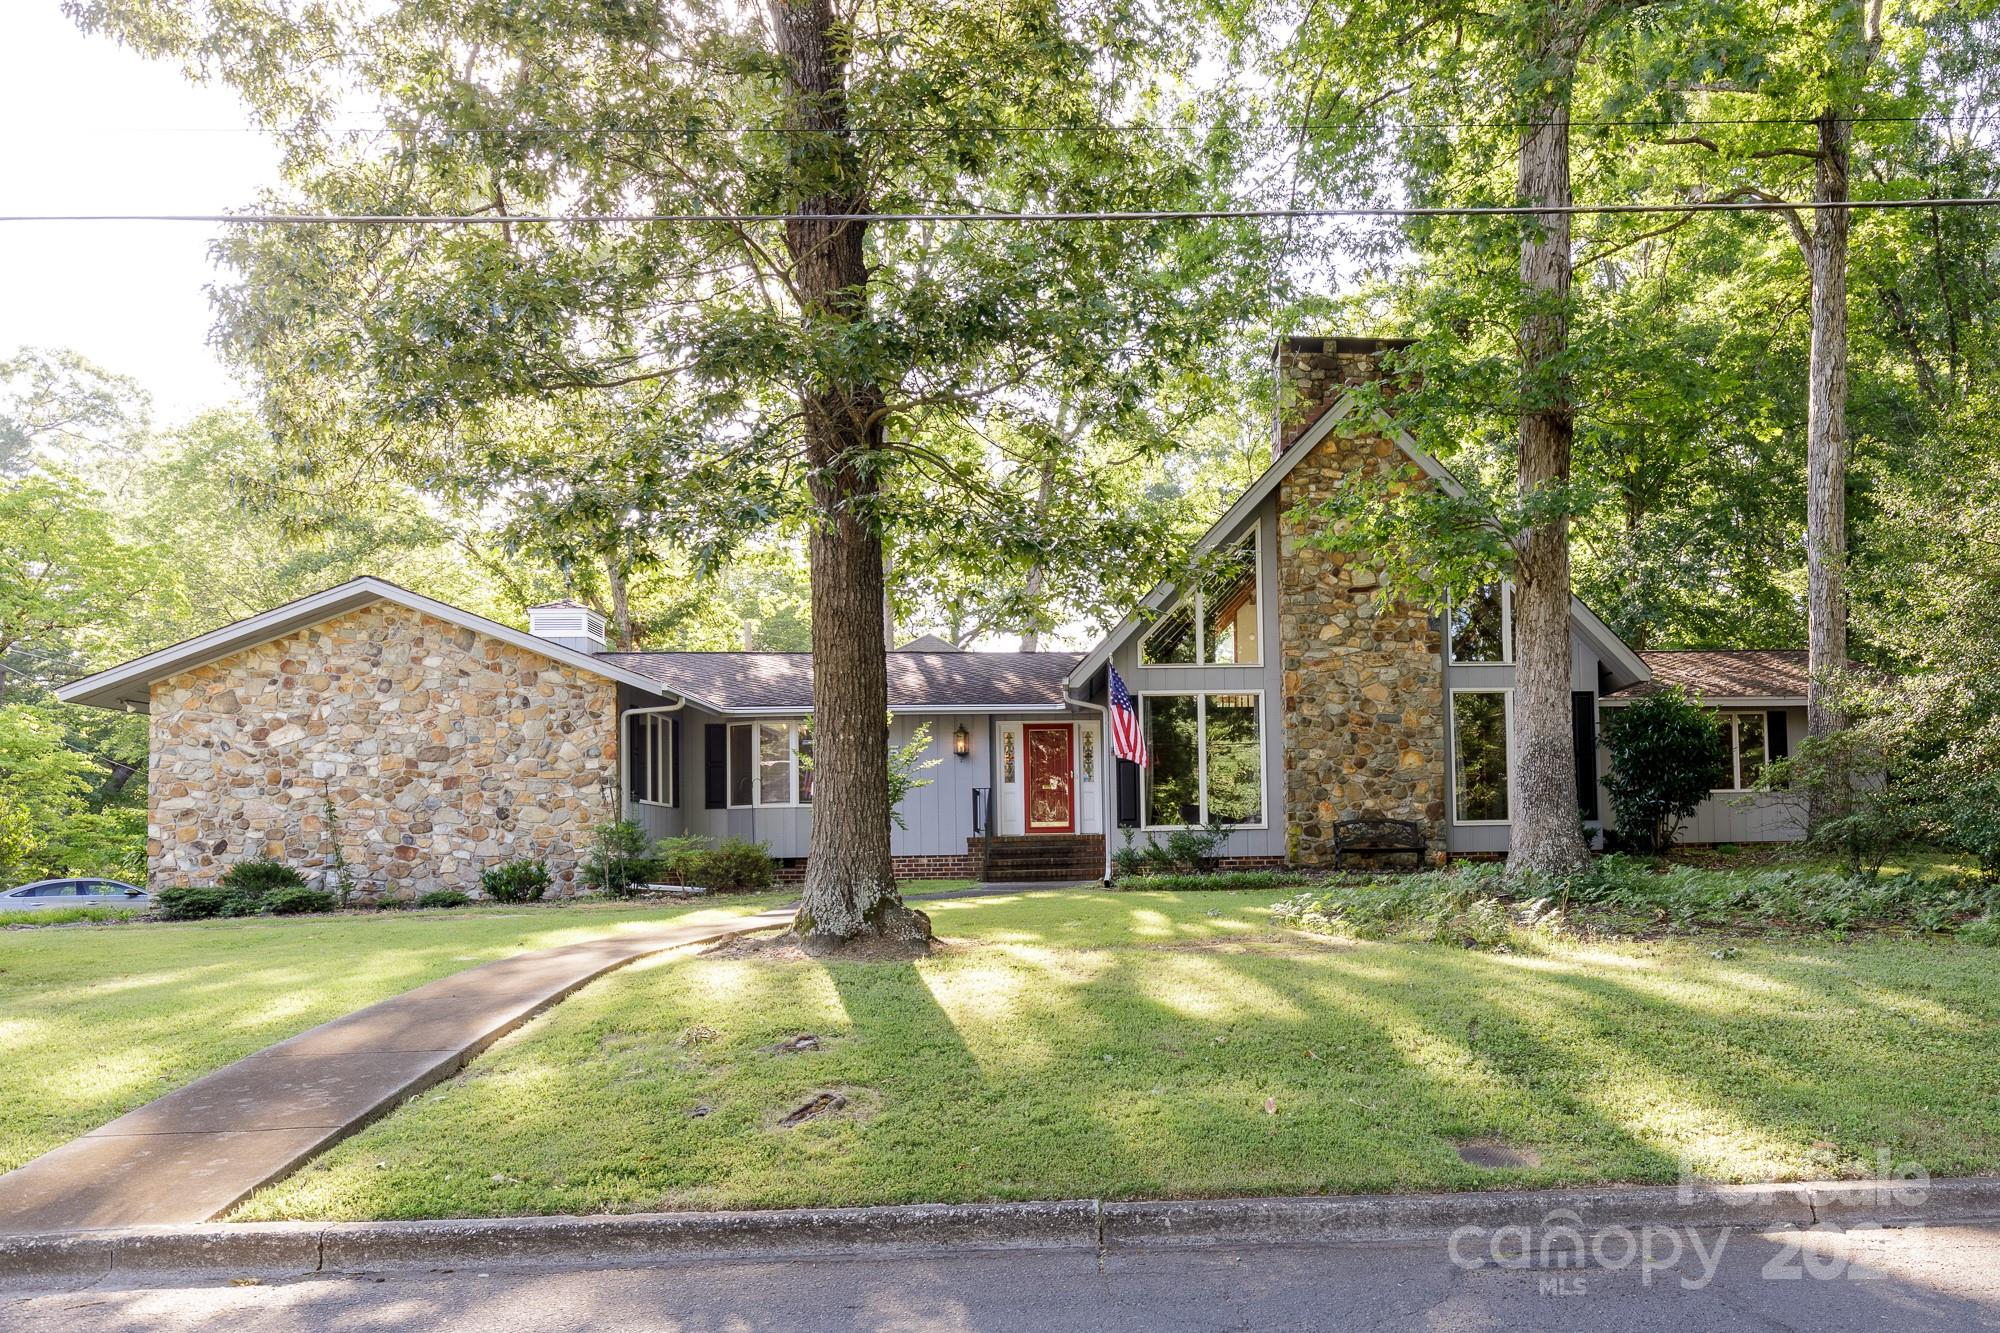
(95, 1020)
(67, 916)
(1079, 1044)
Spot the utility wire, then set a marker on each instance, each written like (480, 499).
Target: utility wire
(1293, 127)
(1135, 215)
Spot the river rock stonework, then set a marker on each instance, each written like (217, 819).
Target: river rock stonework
(1363, 684)
(440, 751)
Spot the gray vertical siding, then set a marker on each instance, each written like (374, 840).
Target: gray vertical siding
(1269, 840)
(938, 815)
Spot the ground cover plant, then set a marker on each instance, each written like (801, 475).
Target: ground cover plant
(1088, 1043)
(1479, 905)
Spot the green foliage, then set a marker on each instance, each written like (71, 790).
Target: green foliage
(1169, 881)
(43, 783)
(1127, 860)
(1984, 931)
(734, 864)
(906, 763)
(297, 901)
(195, 902)
(1667, 755)
(1462, 905)
(447, 898)
(257, 878)
(1182, 852)
(109, 842)
(522, 881)
(68, 916)
(619, 858)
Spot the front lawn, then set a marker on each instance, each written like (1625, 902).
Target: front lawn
(1134, 1044)
(98, 1019)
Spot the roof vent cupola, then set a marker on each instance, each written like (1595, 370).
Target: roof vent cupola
(570, 624)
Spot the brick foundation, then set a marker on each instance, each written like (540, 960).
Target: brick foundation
(792, 869)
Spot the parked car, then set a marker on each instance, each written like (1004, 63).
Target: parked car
(76, 893)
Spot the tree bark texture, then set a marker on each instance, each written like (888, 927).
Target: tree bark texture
(1546, 834)
(1826, 427)
(850, 889)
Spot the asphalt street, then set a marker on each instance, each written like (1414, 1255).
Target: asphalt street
(1940, 1277)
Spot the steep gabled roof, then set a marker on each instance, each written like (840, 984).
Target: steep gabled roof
(1762, 675)
(1612, 648)
(128, 685)
(953, 681)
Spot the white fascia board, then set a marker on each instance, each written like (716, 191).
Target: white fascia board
(128, 684)
(1601, 635)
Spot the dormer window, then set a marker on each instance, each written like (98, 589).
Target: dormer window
(1217, 625)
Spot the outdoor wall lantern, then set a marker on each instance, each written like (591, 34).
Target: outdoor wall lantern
(961, 742)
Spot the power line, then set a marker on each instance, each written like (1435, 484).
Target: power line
(1290, 127)
(1112, 216)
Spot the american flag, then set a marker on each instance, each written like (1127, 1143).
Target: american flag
(1127, 741)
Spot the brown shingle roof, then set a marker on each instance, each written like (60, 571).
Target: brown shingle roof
(782, 682)
(1713, 673)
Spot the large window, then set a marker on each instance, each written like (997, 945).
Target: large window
(1482, 626)
(1744, 734)
(652, 759)
(764, 764)
(1479, 756)
(1217, 625)
(1208, 759)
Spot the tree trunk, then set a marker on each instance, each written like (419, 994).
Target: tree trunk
(1546, 835)
(850, 888)
(1826, 428)
(621, 603)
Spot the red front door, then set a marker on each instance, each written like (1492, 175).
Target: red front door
(1051, 778)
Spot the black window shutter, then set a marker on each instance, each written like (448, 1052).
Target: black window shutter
(1777, 740)
(674, 755)
(715, 746)
(1128, 794)
(1583, 727)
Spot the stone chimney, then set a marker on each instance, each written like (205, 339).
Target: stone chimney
(570, 624)
(1313, 372)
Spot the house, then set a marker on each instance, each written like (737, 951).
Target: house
(1277, 695)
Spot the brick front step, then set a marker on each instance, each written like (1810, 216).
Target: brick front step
(1038, 858)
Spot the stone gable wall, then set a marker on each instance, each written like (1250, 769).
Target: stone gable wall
(441, 750)
(1364, 708)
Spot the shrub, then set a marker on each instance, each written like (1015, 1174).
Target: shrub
(193, 903)
(676, 859)
(298, 901)
(1188, 851)
(735, 864)
(523, 881)
(391, 902)
(255, 879)
(453, 897)
(1667, 754)
(1223, 880)
(1985, 930)
(618, 858)
(1127, 860)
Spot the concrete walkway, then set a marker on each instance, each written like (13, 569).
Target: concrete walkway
(196, 1153)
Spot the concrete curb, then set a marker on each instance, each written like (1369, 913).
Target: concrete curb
(291, 1248)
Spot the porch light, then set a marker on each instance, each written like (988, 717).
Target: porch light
(961, 742)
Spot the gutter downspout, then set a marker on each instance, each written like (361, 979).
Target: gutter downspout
(625, 754)
(1110, 810)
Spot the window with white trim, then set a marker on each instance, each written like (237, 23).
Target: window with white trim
(1746, 737)
(1216, 625)
(1480, 629)
(764, 764)
(652, 761)
(1207, 753)
(1479, 760)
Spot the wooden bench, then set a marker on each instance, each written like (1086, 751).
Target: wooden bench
(1379, 837)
